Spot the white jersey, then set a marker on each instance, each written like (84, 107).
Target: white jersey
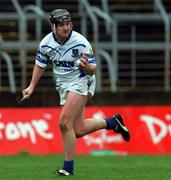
(64, 56)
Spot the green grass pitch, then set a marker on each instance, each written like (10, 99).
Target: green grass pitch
(137, 167)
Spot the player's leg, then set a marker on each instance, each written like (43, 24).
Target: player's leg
(71, 110)
(85, 126)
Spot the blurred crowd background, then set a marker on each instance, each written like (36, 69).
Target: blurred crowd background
(130, 38)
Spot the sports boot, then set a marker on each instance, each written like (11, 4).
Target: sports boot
(121, 128)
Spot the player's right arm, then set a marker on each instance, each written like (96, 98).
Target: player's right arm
(41, 63)
(37, 73)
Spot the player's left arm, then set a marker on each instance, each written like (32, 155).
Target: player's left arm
(87, 67)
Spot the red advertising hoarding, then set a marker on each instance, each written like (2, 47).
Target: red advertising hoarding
(36, 131)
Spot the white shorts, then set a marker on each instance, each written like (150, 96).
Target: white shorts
(83, 86)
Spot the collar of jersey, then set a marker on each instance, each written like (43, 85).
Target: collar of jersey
(54, 36)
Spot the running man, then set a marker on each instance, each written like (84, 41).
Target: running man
(74, 67)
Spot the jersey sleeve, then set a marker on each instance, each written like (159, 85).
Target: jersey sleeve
(41, 58)
(88, 52)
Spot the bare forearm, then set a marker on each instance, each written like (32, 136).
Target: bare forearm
(37, 73)
(90, 69)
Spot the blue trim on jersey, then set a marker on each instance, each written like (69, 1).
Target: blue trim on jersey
(93, 61)
(55, 38)
(41, 55)
(89, 55)
(82, 73)
(41, 60)
(52, 49)
(74, 47)
(39, 52)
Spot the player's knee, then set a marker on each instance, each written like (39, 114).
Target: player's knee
(64, 123)
(62, 126)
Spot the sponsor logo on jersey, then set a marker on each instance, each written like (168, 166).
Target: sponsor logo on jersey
(66, 64)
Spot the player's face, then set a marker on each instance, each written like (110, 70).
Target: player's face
(63, 30)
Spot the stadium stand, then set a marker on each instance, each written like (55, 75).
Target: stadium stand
(10, 32)
(138, 68)
(141, 32)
